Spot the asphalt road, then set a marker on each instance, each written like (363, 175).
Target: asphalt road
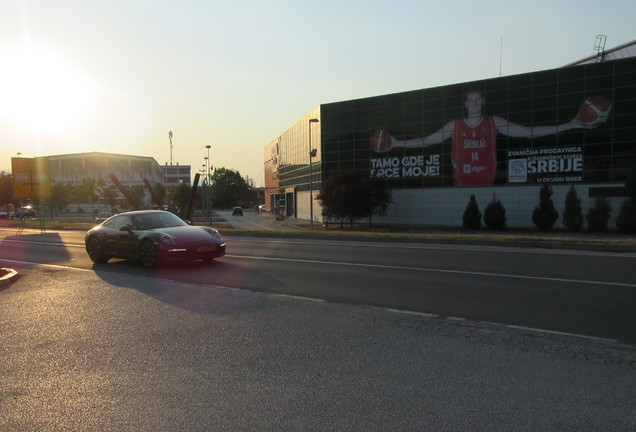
(297, 334)
(578, 292)
(108, 350)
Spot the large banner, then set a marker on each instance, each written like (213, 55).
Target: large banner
(564, 126)
(473, 144)
(31, 178)
(473, 147)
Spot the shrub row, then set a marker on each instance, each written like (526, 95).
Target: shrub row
(545, 215)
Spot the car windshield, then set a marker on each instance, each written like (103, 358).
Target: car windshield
(156, 220)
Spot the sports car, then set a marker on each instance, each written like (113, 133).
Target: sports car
(152, 237)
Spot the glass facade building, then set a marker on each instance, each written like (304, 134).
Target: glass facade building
(435, 147)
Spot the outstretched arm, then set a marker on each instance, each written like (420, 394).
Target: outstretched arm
(437, 137)
(511, 129)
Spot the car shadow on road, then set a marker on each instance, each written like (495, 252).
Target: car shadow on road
(24, 247)
(217, 288)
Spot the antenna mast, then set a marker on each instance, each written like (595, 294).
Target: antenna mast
(170, 138)
(599, 48)
(500, 54)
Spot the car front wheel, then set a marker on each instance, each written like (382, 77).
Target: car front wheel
(95, 251)
(148, 253)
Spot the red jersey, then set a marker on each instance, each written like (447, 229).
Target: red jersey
(474, 153)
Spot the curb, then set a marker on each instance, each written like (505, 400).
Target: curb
(7, 276)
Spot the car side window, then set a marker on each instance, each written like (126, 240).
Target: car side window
(118, 222)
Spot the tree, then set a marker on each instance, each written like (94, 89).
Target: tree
(83, 193)
(110, 196)
(137, 194)
(626, 221)
(573, 213)
(228, 187)
(6, 189)
(379, 197)
(352, 195)
(472, 215)
(61, 195)
(179, 195)
(544, 214)
(339, 196)
(158, 194)
(495, 215)
(599, 215)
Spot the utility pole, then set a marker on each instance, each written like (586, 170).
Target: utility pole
(170, 138)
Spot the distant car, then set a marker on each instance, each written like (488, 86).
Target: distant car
(25, 212)
(262, 208)
(237, 211)
(102, 216)
(152, 237)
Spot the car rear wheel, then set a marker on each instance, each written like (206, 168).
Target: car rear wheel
(148, 253)
(95, 251)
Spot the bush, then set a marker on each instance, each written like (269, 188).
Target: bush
(626, 221)
(472, 215)
(544, 214)
(495, 215)
(573, 214)
(599, 215)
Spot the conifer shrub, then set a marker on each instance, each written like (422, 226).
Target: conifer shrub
(544, 214)
(495, 215)
(573, 213)
(626, 221)
(472, 215)
(598, 216)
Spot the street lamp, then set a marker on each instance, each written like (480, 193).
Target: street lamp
(208, 194)
(312, 154)
(207, 181)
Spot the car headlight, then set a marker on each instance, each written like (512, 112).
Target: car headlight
(166, 238)
(214, 233)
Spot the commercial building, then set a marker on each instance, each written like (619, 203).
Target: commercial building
(502, 137)
(129, 170)
(176, 174)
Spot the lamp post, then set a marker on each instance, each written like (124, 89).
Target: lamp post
(312, 154)
(205, 189)
(208, 194)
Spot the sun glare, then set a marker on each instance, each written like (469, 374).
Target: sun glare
(42, 91)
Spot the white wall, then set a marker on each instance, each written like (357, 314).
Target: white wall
(445, 207)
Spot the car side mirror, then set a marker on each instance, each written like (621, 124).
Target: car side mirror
(127, 228)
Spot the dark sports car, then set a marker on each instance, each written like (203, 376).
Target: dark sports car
(152, 236)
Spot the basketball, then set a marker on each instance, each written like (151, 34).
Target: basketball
(380, 141)
(595, 110)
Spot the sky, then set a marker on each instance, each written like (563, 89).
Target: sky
(117, 76)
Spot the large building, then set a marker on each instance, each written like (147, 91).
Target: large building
(176, 174)
(127, 169)
(503, 137)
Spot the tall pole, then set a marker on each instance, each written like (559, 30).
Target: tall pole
(209, 194)
(312, 153)
(205, 185)
(170, 138)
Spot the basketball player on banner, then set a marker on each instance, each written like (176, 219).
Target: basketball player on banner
(473, 138)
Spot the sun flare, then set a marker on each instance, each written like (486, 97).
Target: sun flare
(42, 91)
